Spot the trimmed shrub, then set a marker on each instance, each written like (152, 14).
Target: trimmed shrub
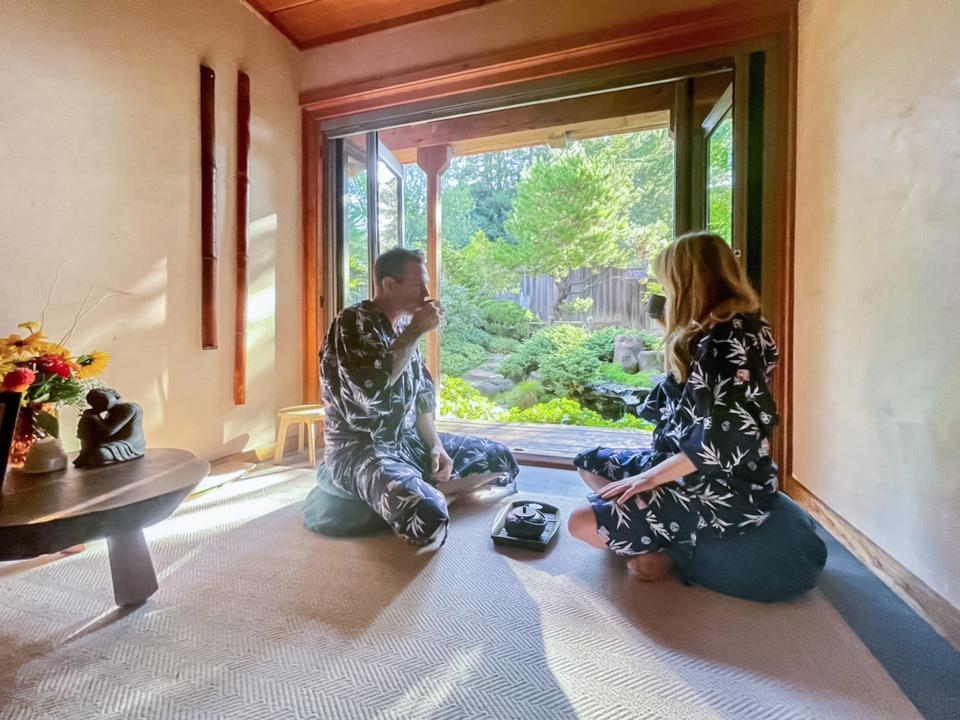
(601, 341)
(544, 342)
(460, 399)
(614, 372)
(567, 370)
(507, 319)
(463, 333)
(503, 345)
(524, 395)
(564, 411)
(458, 357)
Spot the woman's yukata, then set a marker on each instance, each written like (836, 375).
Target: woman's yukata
(721, 418)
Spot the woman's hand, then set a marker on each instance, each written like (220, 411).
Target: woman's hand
(625, 489)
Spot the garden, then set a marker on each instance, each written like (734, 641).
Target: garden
(578, 224)
(544, 272)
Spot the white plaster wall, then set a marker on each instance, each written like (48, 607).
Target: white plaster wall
(877, 380)
(99, 151)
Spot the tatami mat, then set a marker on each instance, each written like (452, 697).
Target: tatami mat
(257, 617)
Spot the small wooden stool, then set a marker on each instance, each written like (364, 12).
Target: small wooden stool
(306, 417)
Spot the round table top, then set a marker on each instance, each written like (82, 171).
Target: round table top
(72, 492)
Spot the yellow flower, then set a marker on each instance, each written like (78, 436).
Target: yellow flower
(92, 365)
(16, 347)
(54, 349)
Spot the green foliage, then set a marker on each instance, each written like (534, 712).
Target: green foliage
(524, 395)
(576, 306)
(465, 333)
(457, 219)
(458, 356)
(503, 345)
(564, 411)
(460, 399)
(601, 342)
(569, 369)
(545, 341)
(415, 207)
(460, 307)
(507, 319)
(652, 341)
(720, 181)
(614, 372)
(355, 207)
(477, 266)
(570, 213)
(648, 159)
(493, 179)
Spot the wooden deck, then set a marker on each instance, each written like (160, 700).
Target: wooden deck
(550, 445)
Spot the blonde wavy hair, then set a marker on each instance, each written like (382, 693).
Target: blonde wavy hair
(704, 285)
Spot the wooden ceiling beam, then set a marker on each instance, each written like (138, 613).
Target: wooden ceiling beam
(556, 136)
(557, 114)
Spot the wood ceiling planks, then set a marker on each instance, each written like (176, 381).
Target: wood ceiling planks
(310, 23)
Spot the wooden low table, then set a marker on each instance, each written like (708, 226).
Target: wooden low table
(41, 514)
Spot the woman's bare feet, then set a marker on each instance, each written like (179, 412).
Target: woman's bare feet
(650, 567)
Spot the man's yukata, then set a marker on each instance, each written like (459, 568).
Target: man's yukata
(721, 419)
(372, 446)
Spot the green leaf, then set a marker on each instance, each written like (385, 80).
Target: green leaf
(48, 423)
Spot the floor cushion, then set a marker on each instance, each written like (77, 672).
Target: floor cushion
(331, 511)
(777, 561)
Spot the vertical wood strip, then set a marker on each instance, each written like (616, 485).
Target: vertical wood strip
(208, 212)
(243, 185)
(434, 161)
(313, 230)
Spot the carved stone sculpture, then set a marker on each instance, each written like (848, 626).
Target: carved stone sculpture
(110, 431)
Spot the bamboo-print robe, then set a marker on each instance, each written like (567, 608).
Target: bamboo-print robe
(721, 419)
(372, 446)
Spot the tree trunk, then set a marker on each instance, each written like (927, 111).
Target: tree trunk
(563, 291)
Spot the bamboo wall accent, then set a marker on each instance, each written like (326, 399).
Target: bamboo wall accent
(208, 209)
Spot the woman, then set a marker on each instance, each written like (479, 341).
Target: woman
(709, 470)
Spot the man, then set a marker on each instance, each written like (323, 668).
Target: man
(381, 442)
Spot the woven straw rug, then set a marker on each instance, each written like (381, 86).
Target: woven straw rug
(256, 617)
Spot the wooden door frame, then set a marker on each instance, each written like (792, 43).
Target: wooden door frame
(664, 48)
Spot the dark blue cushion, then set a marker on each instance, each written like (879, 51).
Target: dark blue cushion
(779, 560)
(331, 511)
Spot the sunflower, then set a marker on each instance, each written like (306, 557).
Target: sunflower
(16, 347)
(92, 364)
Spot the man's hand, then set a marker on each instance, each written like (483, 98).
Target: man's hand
(441, 465)
(625, 489)
(426, 318)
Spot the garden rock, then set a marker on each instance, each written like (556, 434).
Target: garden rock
(626, 351)
(488, 383)
(613, 400)
(650, 360)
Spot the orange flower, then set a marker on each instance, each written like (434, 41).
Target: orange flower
(19, 380)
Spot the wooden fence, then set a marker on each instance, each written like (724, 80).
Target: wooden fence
(617, 298)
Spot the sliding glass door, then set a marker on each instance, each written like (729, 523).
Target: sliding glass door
(368, 212)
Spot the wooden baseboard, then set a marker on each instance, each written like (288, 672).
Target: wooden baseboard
(935, 609)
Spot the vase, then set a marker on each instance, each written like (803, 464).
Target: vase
(25, 434)
(32, 449)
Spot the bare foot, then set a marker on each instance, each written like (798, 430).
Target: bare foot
(650, 567)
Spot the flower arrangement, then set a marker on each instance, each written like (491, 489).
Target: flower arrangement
(47, 375)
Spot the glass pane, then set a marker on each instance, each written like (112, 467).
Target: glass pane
(355, 216)
(415, 207)
(388, 203)
(720, 180)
